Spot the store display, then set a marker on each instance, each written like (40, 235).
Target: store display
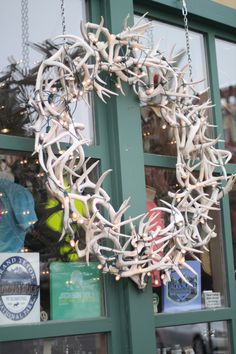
(183, 296)
(156, 82)
(17, 215)
(75, 291)
(19, 288)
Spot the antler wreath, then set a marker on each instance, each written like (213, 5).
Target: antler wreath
(139, 244)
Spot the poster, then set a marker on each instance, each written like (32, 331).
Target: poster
(19, 288)
(75, 290)
(178, 295)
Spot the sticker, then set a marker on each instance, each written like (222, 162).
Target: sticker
(18, 288)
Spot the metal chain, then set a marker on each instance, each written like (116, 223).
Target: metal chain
(63, 18)
(185, 13)
(25, 34)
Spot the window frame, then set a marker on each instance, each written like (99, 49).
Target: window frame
(130, 323)
(211, 27)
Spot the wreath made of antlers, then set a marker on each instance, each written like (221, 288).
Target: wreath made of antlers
(136, 246)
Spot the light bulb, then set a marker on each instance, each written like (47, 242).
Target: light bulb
(66, 199)
(5, 130)
(72, 243)
(74, 215)
(80, 221)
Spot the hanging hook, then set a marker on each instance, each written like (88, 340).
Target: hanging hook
(184, 8)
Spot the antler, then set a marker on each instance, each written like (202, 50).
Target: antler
(137, 245)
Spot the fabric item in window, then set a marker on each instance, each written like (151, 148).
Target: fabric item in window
(17, 215)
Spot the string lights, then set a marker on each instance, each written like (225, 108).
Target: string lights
(135, 246)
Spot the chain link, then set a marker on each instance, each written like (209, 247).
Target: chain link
(185, 13)
(25, 34)
(63, 18)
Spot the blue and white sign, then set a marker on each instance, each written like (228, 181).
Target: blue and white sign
(180, 296)
(19, 288)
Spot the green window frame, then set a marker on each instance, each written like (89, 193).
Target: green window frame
(130, 323)
(213, 21)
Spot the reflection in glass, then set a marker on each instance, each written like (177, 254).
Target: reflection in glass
(232, 201)
(31, 222)
(227, 81)
(16, 86)
(82, 344)
(157, 137)
(200, 338)
(209, 283)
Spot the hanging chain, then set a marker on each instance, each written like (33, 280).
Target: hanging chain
(25, 34)
(63, 18)
(185, 13)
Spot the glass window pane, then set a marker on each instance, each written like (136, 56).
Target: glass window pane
(232, 201)
(13, 97)
(209, 283)
(157, 137)
(200, 338)
(41, 276)
(81, 344)
(227, 81)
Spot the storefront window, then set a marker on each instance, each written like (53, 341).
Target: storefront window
(82, 344)
(41, 276)
(227, 82)
(232, 201)
(200, 338)
(16, 86)
(209, 284)
(157, 137)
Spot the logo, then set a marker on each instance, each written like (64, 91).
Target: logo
(18, 288)
(181, 292)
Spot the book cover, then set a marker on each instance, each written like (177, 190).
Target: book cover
(75, 290)
(180, 296)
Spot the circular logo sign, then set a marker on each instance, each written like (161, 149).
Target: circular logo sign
(18, 288)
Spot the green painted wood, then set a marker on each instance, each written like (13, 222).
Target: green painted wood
(228, 251)
(226, 223)
(203, 10)
(99, 151)
(16, 143)
(161, 161)
(53, 329)
(130, 322)
(126, 155)
(214, 85)
(210, 30)
(178, 319)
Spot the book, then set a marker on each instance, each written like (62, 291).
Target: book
(180, 296)
(75, 290)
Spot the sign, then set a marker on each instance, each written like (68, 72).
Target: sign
(212, 299)
(19, 288)
(180, 296)
(75, 290)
